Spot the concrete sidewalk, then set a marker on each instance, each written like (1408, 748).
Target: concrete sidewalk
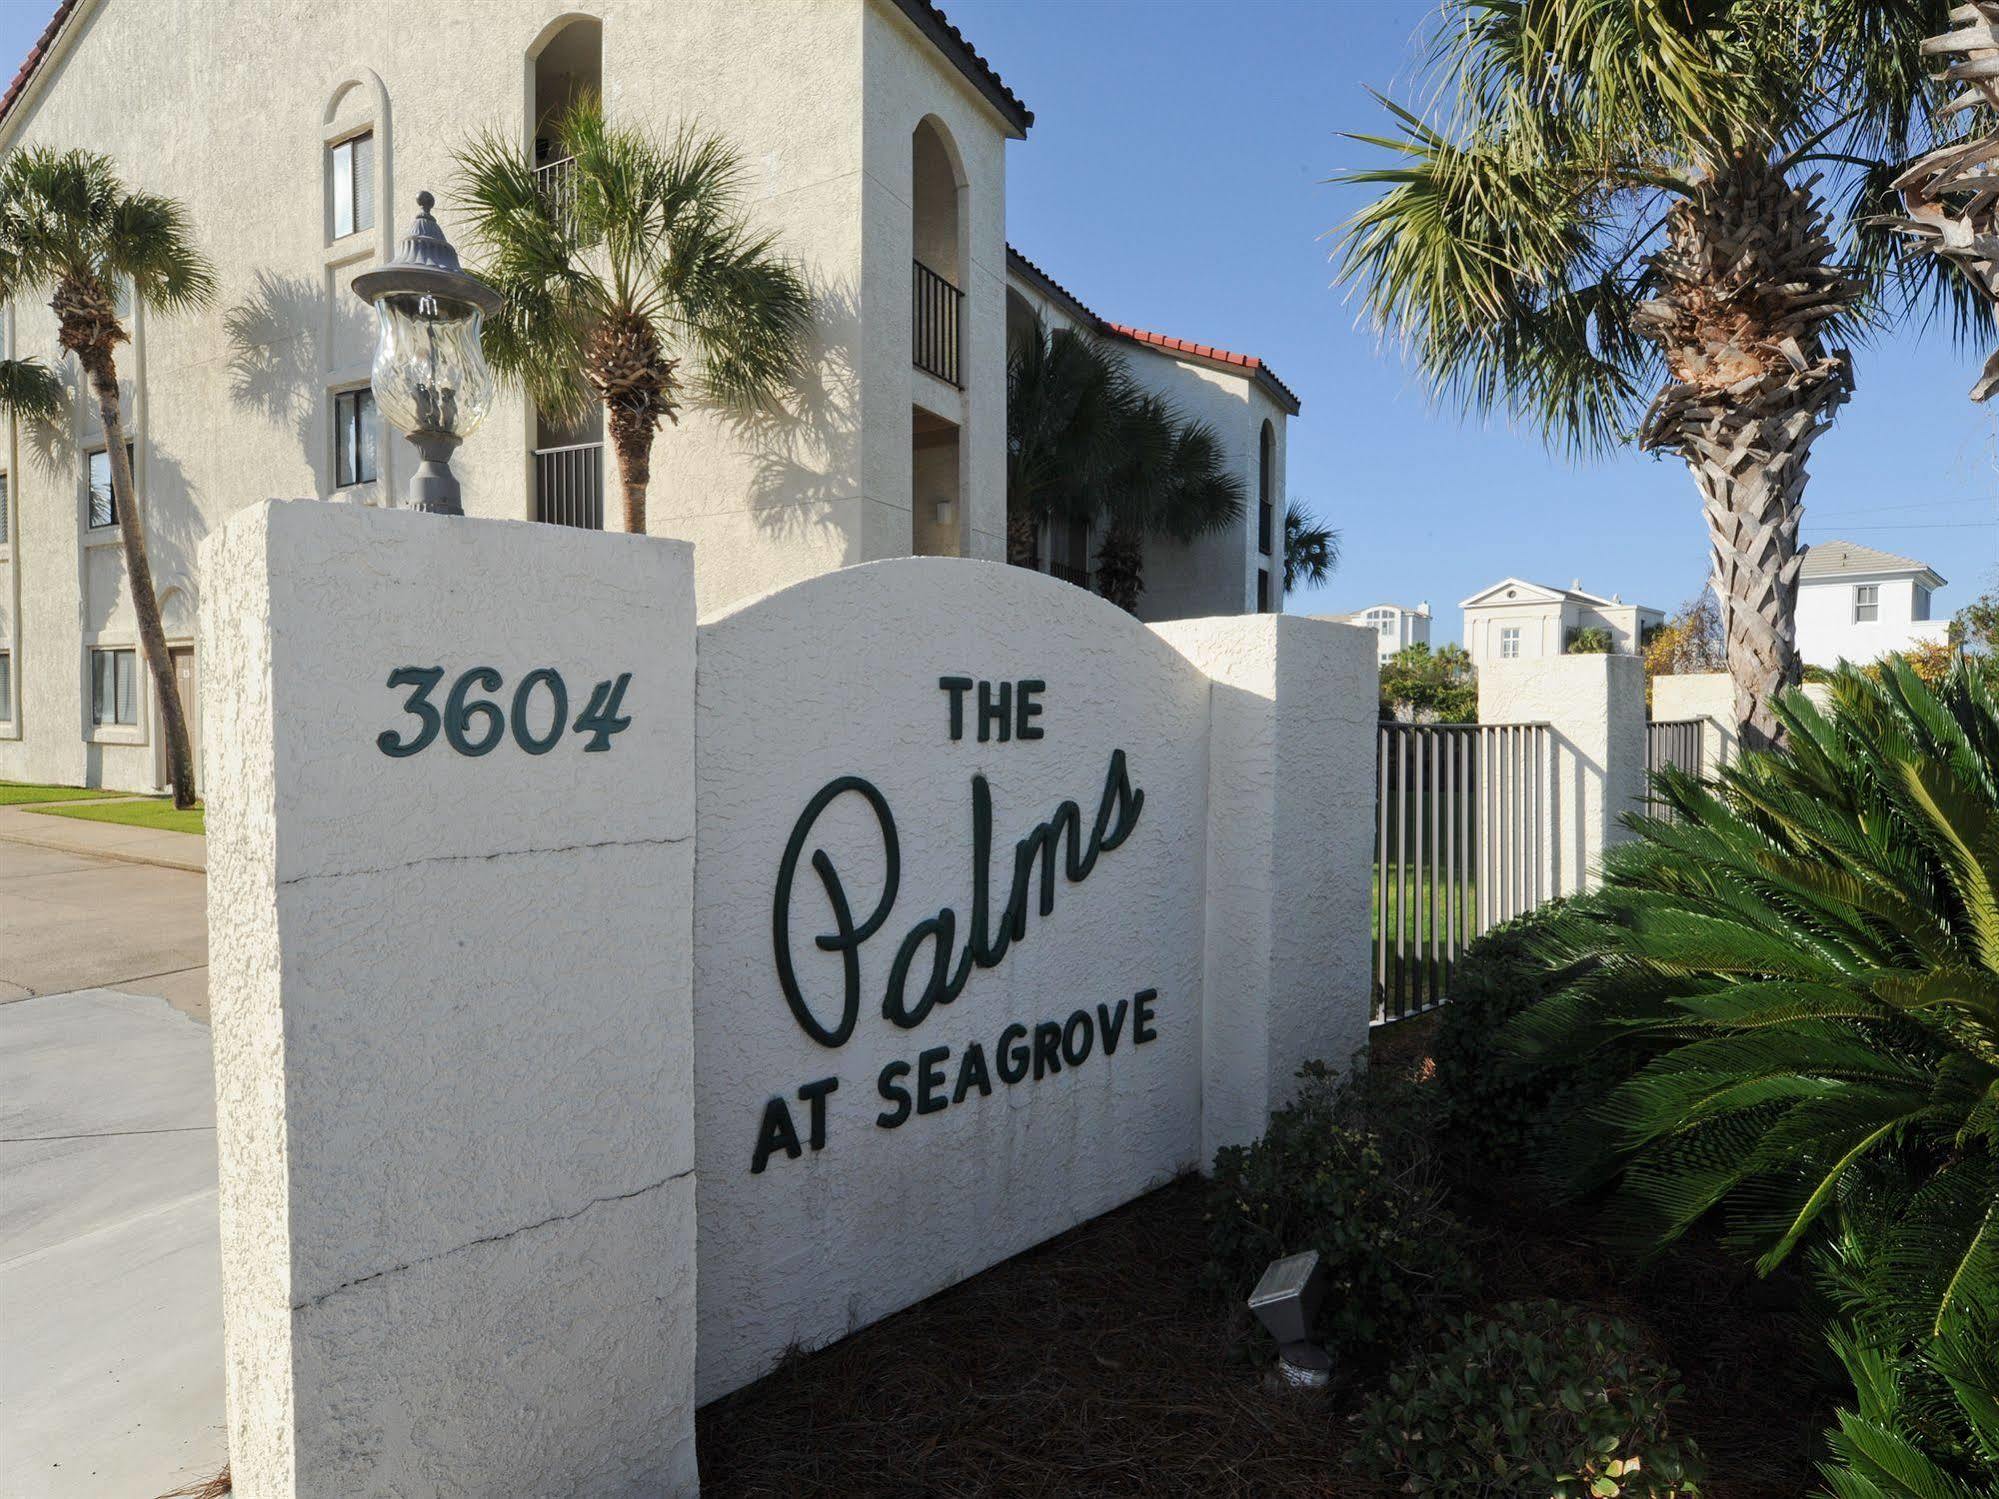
(104, 840)
(110, 1260)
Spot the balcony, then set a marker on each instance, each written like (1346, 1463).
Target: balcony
(938, 307)
(569, 486)
(557, 181)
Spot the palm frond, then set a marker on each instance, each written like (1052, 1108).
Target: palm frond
(30, 391)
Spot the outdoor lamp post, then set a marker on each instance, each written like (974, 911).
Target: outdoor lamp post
(430, 378)
(1286, 1301)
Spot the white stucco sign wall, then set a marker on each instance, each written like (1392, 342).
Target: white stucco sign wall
(570, 1035)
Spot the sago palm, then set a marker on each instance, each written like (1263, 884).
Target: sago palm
(1809, 949)
(1172, 480)
(636, 285)
(1311, 548)
(1611, 228)
(1067, 399)
(71, 228)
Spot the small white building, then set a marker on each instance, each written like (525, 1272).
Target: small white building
(1515, 619)
(1857, 604)
(1396, 626)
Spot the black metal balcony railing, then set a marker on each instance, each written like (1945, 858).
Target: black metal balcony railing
(938, 306)
(557, 181)
(1080, 576)
(569, 486)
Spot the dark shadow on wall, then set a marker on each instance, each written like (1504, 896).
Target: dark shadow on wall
(805, 455)
(277, 354)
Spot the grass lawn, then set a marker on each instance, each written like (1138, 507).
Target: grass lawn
(16, 793)
(153, 812)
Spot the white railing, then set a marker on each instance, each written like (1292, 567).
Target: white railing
(557, 181)
(569, 485)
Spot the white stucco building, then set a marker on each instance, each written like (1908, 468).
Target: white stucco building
(874, 137)
(1517, 620)
(1395, 626)
(1857, 604)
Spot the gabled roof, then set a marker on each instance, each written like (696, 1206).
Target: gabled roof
(1833, 559)
(1247, 365)
(924, 15)
(1542, 593)
(949, 40)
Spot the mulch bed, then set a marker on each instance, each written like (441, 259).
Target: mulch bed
(1094, 1365)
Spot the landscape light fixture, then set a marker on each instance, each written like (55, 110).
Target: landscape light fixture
(1286, 1301)
(430, 378)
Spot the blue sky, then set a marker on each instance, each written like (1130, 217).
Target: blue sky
(1174, 179)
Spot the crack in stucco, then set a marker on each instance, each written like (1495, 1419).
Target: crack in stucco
(505, 853)
(499, 1238)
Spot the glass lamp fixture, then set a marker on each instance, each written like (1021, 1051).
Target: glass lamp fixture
(430, 378)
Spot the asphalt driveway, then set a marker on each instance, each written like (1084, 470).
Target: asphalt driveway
(110, 1279)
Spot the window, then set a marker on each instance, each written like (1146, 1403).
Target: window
(1383, 621)
(6, 687)
(354, 437)
(1866, 602)
(1266, 460)
(1920, 604)
(1509, 642)
(104, 505)
(1262, 590)
(114, 696)
(354, 185)
(4, 495)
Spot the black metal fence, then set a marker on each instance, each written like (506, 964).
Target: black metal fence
(1461, 842)
(569, 486)
(1678, 742)
(937, 309)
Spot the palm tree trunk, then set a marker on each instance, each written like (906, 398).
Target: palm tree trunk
(1020, 538)
(1746, 286)
(1750, 468)
(631, 435)
(1121, 566)
(103, 372)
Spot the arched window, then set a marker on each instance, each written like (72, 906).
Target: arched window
(937, 240)
(1266, 478)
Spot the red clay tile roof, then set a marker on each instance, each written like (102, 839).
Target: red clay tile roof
(34, 58)
(1255, 368)
(1208, 352)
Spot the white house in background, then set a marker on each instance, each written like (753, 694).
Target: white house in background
(874, 139)
(1395, 625)
(1515, 619)
(1856, 603)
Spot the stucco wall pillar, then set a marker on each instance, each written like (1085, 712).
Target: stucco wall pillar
(452, 1003)
(1290, 839)
(1707, 696)
(1594, 706)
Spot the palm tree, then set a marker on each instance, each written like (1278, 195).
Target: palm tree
(1809, 952)
(1613, 233)
(1311, 549)
(1171, 479)
(1067, 399)
(1949, 192)
(70, 227)
(641, 265)
(30, 390)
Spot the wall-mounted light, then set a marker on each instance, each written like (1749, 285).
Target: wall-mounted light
(947, 510)
(1286, 1301)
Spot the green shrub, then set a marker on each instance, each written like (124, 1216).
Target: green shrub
(1492, 1108)
(1925, 1420)
(1393, 1256)
(1590, 640)
(1539, 1400)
